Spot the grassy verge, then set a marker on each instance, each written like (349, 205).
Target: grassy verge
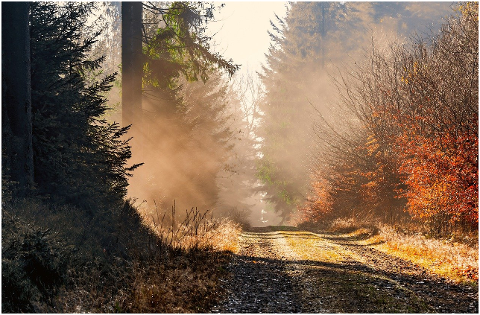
(453, 260)
(449, 258)
(62, 259)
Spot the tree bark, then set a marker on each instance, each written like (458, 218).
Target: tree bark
(132, 65)
(16, 95)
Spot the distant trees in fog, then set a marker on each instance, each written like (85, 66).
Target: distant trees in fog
(182, 129)
(414, 150)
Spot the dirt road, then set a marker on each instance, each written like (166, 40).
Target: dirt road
(290, 271)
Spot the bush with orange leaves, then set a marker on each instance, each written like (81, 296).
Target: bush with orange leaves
(417, 116)
(438, 145)
(442, 181)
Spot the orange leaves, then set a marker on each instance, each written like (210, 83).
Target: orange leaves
(441, 177)
(319, 204)
(416, 150)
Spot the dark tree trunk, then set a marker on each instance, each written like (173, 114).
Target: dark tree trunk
(132, 65)
(16, 96)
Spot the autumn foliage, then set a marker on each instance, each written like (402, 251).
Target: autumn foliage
(414, 151)
(442, 178)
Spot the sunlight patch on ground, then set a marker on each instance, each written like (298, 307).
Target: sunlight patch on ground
(435, 262)
(323, 273)
(310, 246)
(455, 261)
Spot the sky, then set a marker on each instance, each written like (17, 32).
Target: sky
(242, 31)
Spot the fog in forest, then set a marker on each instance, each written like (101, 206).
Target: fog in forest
(154, 162)
(246, 146)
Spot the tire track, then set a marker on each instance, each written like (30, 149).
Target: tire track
(260, 282)
(297, 271)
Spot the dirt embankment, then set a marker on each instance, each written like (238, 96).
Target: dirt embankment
(286, 270)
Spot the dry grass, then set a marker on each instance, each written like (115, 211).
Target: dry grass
(454, 260)
(192, 229)
(188, 281)
(448, 258)
(113, 262)
(184, 284)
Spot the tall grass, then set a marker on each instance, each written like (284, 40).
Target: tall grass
(192, 229)
(447, 257)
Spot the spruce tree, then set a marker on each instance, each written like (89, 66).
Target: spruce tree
(183, 130)
(79, 158)
(17, 168)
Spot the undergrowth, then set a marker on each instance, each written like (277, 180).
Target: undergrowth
(191, 229)
(62, 259)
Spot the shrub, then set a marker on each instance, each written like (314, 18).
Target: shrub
(34, 265)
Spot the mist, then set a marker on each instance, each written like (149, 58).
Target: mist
(144, 171)
(203, 143)
(314, 49)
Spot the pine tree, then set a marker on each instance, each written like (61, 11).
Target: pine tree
(294, 59)
(132, 63)
(79, 158)
(16, 99)
(187, 143)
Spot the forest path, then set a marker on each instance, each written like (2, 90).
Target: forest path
(284, 270)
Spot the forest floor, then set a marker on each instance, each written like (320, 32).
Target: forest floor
(287, 270)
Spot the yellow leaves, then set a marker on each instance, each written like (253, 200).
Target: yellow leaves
(410, 73)
(468, 8)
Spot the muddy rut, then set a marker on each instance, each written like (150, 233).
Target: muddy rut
(290, 271)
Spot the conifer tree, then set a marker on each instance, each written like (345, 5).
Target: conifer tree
(295, 58)
(16, 98)
(132, 63)
(183, 126)
(79, 158)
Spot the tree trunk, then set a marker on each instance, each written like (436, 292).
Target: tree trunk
(16, 95)
(132, 65)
